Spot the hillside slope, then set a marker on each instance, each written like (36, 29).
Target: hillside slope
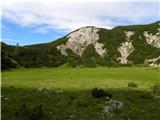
(137, 45)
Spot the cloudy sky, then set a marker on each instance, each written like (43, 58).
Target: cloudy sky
(40, 21)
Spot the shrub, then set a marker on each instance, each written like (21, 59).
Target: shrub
(156, 88)
(97, 93)
(24, 113)
(132, 84)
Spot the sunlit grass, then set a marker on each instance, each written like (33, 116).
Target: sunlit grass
(21, 85)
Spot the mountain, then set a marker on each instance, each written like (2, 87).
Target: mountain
(137, 45)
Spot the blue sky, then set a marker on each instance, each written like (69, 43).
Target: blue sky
(44, 21)
(13, 34)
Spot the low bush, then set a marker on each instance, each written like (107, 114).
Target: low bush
(97, 93)
(132, 84)
(156, 88)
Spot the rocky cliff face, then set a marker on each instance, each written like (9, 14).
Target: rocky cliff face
(155, 62)
(79, 40)
(126, 47)
(153, 39)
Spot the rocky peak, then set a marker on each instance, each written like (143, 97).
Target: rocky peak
(80, 39)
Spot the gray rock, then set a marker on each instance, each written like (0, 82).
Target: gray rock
(153, 39)
(107, 99)
(107, 109)
(117, 105)
(142, 111)
(125, 50)
(59, 91)
(153, 62)
(126, 47)
(6, 98)
(80, 39)
(40, 89)
(157, 97)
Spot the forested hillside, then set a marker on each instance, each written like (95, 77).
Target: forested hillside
(137, 45)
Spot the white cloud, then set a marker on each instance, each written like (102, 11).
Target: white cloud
(72, 15)
(8, 40)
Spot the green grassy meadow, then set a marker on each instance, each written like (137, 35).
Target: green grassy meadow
(65, 93)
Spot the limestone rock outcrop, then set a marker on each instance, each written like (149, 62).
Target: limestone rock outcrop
(126, 47)
(153, 62)
(153, 39)
(80, 39)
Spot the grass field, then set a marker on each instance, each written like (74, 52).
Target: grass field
(65, 93)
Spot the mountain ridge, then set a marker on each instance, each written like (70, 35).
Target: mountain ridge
(90, 47)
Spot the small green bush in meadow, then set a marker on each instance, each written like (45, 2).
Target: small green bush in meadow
(156, 88)
(132, 84)
(97, 93)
